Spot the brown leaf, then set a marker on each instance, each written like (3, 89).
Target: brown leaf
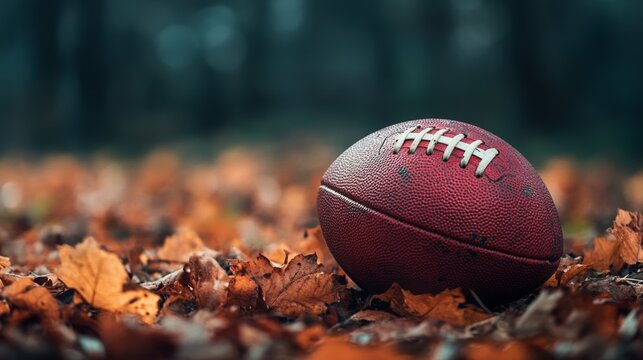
(100, 278)
(572, 272)
(279, 254)
(604, 256)
(538, 317)
(372, 316)
(299, 287)
(180, 246)
(611, 288)
(629, 235)
(568, 269)
(26, 296)
(309, 336)
(126, 340)
(4, 308)
(632, 219)
(208, 280)
(629, 245)
(244, 292)
(445, 306)
(316, 244)
(509, 351)
(5, 264)
(340, 349)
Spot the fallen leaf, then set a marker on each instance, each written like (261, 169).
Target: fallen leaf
(605, 255)
(5, 264)
(445, 306)
(568, 269)
(372, 316)
(297, 288)
(126, 340)
(340, 349)
(508, 351)
(310, 336)
(632, 219)
(279, 254)
(572, 272)
(629, 248)
(4, 307)
(577, 314)
(398, 329)
(100, 278)
(208, 280)
(629, 235)
(611, 288)
(315, 243)
(28, 297)
(537, 316)
(180, 246)
(244, 292)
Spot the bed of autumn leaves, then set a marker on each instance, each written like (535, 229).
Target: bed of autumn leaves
(221, 258)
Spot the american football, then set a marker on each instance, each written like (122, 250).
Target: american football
(436, 204)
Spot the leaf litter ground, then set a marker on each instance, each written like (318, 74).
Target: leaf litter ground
(223, 259)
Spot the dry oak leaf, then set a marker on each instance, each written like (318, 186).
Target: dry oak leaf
(628, 231)
(445, 306)
(299, 287)
(99, 277)
(181, 245)
(26, 296)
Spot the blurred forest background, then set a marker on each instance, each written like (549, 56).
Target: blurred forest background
(126, 76)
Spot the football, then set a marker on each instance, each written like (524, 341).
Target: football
(438, 204)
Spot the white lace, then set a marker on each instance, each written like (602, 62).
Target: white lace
(455, 142)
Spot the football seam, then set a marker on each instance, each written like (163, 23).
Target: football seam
(447, 238)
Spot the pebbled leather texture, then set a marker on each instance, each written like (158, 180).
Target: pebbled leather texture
(430, 224)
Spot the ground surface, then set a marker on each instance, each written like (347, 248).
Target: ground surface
(163, 258)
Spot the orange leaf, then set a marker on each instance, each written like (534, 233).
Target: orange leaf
(629, 248)
(25, 295)
(208, 280)
(316, 244)
(297, 288)
(340, 349)
(628, 233)
(568, 269)
(5, 264)
(180, 246)
(604, 255)
(445, 306)
(100, 278)
(244, 292)
(509, 351)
